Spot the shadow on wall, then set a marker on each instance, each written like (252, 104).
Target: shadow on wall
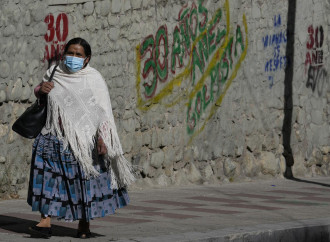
(288, 102)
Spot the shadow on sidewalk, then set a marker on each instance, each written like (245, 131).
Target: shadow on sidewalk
(311, 182)
(21, 226)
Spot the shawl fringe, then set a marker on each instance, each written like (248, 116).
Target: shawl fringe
(81, 134)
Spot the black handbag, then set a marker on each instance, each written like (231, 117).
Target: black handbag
(31, 122)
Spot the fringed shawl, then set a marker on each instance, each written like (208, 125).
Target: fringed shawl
(79, 111)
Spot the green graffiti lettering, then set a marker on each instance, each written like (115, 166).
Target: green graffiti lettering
(176, 49)
(228, 52)
(204, 12)
(239, 39)
(196, 60)
(149, 65)
(184, 14)
(193, 15)
(185, 35)
(203, 49)
(206, 99)
(198, 105)
(224, 66)
(150, 89)
(210, 34)
(162, 69)
(147, 43)
(220, 36)
(214, 73)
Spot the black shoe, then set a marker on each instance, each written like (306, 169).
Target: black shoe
(41, 232)
(84, 235)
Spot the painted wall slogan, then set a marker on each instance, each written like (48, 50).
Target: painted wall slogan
(275, 41)
(197, 66)
(314, 55)
(317, 76)
(57, 32)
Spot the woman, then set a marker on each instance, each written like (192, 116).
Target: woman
(78, 171)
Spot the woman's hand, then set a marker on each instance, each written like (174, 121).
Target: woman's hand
(46, 87)
(101, 148)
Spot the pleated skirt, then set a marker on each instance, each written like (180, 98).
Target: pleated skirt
(58, 187)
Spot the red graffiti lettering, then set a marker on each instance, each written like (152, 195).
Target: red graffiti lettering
(57, 33)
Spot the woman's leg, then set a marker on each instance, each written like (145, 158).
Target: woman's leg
(44, 222)
(42, 229)
(83, 229)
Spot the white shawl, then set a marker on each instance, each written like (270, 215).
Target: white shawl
(79, 111)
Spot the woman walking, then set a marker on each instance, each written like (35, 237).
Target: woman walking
(78, 171)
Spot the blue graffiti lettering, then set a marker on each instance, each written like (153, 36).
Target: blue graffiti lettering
(276, 64)
(274, 39)
(277, 21)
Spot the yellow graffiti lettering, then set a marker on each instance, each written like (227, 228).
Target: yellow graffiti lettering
(217, 104)
(145, 105)
(221, 69)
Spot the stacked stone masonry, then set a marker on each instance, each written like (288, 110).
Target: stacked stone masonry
(197, 86)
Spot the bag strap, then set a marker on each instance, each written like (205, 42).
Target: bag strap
(43, 98)
(53, 72)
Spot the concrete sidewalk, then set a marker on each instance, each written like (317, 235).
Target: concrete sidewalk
(272, 210)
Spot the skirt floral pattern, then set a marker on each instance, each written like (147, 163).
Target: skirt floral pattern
(58, 188)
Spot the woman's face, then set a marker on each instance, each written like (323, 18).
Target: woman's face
(77, 50)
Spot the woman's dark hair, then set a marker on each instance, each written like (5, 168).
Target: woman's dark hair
(83, 43)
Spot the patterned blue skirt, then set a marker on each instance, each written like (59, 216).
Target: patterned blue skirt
(58, 188)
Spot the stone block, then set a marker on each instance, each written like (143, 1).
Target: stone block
(180, 178)
(88, 8)
(127, 5)
(168, 171)
(5, 69)
(134, 32)
(113, 20)
(9, 30)
(27, 18)
(207, 172)
(129, 125)
(325, 150)
(269, 164)
(12, 136)
(40, 29)
(193, 174)
(3, 96)
(2, 160)
(250, 165)
(146, 3)
(116, 6)
(256, 10)
(178, 165)
(228, 149)
(169, 158)
(114, 33)
(90, 23)
(136, 4)
(155, 140)
(103, 7)
(26, 93)
(317, 117)
(166, 137)
(127, 142)
(253, 142)
(229, 167)
(157, 159)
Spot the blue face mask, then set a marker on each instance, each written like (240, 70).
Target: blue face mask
(73, 63)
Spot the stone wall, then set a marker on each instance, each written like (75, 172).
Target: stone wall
(197, 87)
